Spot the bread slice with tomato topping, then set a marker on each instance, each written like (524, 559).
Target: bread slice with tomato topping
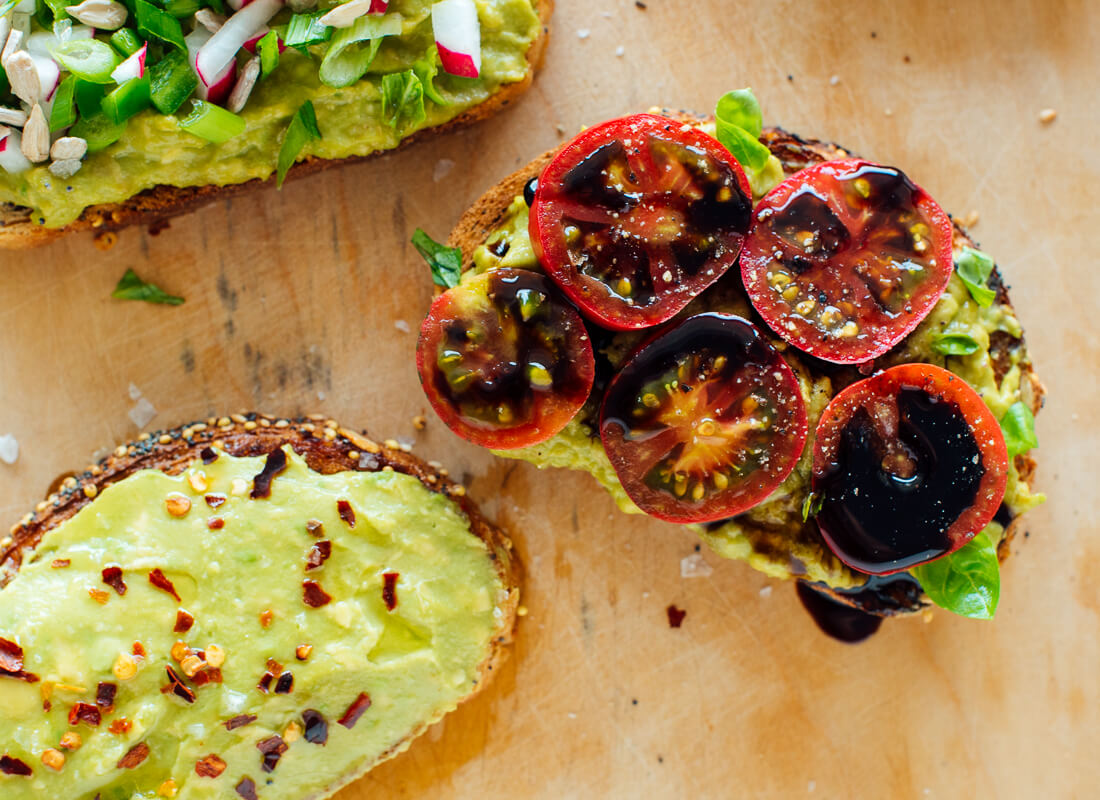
(249, 604)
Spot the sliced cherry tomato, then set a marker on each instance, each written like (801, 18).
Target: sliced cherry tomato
(845, 258)
(704, 420)
(637, 216)
(909, 465)
(504, 361)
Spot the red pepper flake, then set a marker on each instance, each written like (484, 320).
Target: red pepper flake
(184, 622)
(318, 554)
(158, 579)
(134, 756)
(274, 666)
(207, 675)
(216, 500)
(285, 683)
(316, 528)
(266, 617)
(389, 589)
(208, 455)
(273, 749)
(14, 766)
(112, 576)
(275, 464)
(61, 563)
(347, 513)
(239, 721)
(210, 767)
(139, 648)
(105, 695)
(178, 687)
(85, 712)
(675, 616)
(46, 705)
(265, 682)
(357, 708)
(316, 726)
(215, 523)
(99, 596)
(11, 657)
(120, 726)
(247, 789)
(313, 595)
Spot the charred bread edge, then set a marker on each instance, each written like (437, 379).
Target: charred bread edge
(326, 447)
(155, 207)
(794, 152)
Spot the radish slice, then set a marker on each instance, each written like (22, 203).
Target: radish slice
(40, 43)
(458, 36)
(132, 67)
(49, 75)
(379, 6)
(216, 91)
(237, 5)
(11, 153)
(254, 42)
(24, 7)
(224, 45)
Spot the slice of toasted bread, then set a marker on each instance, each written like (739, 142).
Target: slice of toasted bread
(326, 448)
(885, 598)
(155, 207)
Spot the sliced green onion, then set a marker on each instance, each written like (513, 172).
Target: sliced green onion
(347, 59)
(426, 69)
(172, 81)
(127, 100)
(306, 29)
(88, 59)
(7, 5)
(89, 97)
(98, 130)
(211, 122)
(57, 7)
(268, 48)
(151, 21)
(181, 9)
(955, 344)
(63, 113)
(302, 129)
(402, 99)
(126, 41)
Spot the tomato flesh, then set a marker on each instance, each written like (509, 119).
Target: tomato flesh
(703, 421)
(909, 465)
(503, 360)
(635, 217)
(845, 258)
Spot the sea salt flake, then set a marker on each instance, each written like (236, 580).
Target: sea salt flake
(142, 413)
(135, 392)
(695, 566)
(583, 33)
(9, 449)
(442, 169)
(766, 591)
(401, 325)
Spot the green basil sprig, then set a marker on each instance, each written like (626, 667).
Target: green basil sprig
(955, 344)
(974, 268)
(1018, 426)
(131, 287)
(739, 124)
(445, 262)
(966, 582)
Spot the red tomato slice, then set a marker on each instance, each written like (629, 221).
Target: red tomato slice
(909, 465)
(703, 421)
(503, 361)
(845, 258)
(637, 216)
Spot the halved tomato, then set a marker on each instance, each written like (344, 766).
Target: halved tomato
(845, 258)
(909, 465)
(637, 216)
(504, 361)
(704, 420)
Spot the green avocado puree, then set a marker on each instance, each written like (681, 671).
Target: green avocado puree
(155, 150)
(415, 662)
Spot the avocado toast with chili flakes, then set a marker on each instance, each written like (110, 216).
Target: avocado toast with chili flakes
(777, 536)
(264, 592)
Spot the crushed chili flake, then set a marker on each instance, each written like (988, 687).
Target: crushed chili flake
(134, 756)
(14, 766)
(177, 686)
(265, 682)
(239, 721)
(47, 705)
(85, 712)
(105, 694)
(302, 651)
(210, 767)
(275, 464)
(316, 726)
(273, 748)
(61, 563)
(215, 523)
(112, 576)
(318, 554)
(158, 579)
(357, 708)
(274, 666)
(389, 589)
(11, 656)
(347, 513)
(316, 528)
(99, 596)
(184, 622)
(120, 726)
(266, 617)
(247, 789)
(207, 675)
(285, 684)
(675, 616)
(139, 649)
(216, 500)
(313, 595)
(208, 455)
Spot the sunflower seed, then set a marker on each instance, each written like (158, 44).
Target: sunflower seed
(13, 116)
(240, 94)
(66, 167)
(344, 15)
(209, 20)
(36, 136)
(11, 46)
(23, 77)
(68, 148)
(103, 14)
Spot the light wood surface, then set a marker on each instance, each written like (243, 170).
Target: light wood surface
(303, 300)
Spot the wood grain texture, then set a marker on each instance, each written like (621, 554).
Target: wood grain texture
(308, 299)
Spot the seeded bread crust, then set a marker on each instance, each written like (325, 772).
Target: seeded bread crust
(795, 153)
(155, 207)
(327, 448)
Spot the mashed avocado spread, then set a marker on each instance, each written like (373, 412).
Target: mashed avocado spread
(293, 695)
(155, 150)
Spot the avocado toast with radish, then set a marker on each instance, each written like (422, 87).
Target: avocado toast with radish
(793, 352)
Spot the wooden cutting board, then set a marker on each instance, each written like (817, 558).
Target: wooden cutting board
(304, 301)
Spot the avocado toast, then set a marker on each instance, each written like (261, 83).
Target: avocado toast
(325, 94)
(256, 605)
(777, 535)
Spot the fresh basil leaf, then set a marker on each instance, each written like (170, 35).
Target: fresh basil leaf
(966, 582)
(402, 99)
(131, 287)
(738, 126)
(741, 109)
(955, 344)
(974, 268)
(1018, 426)
(426, 69)
(268, 48)
(302, 129)
(445, 262)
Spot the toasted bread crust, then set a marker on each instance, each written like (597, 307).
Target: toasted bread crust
(327, 448)
(155, 207)
(794, 152)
